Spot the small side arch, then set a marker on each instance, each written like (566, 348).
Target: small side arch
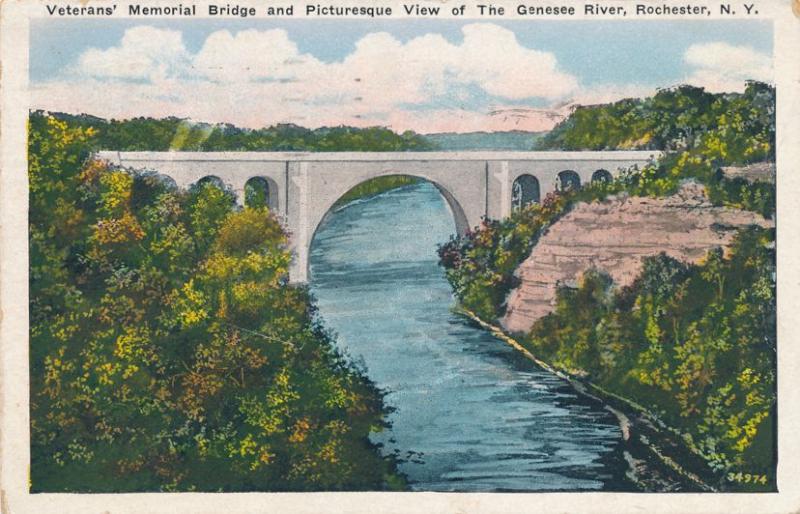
(602, 176)
(525, 191)
(568, 180)
(168, 182)
(148, 185)
(213, 181)
(261, 192)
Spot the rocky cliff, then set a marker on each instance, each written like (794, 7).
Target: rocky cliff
(614, 235)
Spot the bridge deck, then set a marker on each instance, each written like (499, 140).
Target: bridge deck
(379, 156)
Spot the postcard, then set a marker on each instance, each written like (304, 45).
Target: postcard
(437, 256)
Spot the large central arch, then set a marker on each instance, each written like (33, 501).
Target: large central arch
(341, 188)
(456, 210)
(316, 186)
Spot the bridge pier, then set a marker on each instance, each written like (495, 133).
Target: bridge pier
(499, 205)
(238, 191)
(298, 226)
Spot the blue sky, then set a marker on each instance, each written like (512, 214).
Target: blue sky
(585, 60)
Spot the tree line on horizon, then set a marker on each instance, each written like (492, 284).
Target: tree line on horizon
(177, 134)
(676, 119)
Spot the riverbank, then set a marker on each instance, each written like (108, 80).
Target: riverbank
(657, 459)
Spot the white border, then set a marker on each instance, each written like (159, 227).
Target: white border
(14, 438)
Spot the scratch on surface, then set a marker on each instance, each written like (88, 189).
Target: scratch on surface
(4, 508)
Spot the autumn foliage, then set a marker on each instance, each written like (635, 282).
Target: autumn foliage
(167, 351)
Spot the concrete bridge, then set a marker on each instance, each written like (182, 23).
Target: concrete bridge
(302, 187)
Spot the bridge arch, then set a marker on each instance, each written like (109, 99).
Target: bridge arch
(209, 179)
(147, 185)
(568, 180)
(602, 176)
(154, 177)
(217, 182)
(524, 191)
(454, 205)
(260, 191)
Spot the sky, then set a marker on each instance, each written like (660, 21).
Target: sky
(422, 75)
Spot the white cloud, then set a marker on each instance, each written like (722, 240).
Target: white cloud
(493, 56)
(251, 55)
(144, 53)
(721, 67)
(256, 78)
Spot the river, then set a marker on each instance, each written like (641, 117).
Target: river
(470, 413)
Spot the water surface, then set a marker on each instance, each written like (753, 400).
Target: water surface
(471, 414)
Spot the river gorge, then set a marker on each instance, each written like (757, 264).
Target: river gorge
(469, 412)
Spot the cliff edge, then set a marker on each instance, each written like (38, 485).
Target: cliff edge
(614, 236)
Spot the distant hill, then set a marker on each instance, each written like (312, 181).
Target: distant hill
(515, 140)
(736, 127)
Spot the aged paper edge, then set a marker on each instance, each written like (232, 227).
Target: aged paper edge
(14, 437)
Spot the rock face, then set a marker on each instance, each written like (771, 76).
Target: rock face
(758, 172)
(614, 236)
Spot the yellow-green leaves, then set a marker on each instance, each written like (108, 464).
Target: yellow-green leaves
(115, 195)
(167, 351)
(192, 305)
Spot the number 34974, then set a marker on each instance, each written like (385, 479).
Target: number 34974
(747, 478)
